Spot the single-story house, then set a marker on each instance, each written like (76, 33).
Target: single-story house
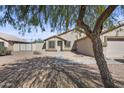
(13, 43)
(62, 42)
(113, 43)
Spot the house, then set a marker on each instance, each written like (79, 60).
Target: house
(63, 42)
(10, 41)
(72, 40)
(113, 44)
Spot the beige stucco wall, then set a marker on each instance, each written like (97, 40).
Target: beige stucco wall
(56, 46)
(37, 47)
(7, 44)
(106, 49)
(84, 46)
(115, 49)
(116, 32)
(72, 36)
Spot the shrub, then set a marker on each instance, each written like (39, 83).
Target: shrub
(4, 51)
(36, 53)
(8, 52)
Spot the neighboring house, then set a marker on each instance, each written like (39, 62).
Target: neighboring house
(10, 41)
(62, 42)
(113, 44)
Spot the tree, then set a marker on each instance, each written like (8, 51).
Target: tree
(90, 19)
(94, 35)
(38, 41)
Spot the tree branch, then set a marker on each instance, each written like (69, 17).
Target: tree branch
(80, 21)
(103, 17)
(111, 29)
(82, 12)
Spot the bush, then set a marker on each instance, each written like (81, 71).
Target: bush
(8, 52)
(36, 53)
(4, 51)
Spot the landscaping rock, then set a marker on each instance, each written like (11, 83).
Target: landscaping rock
(49, 72)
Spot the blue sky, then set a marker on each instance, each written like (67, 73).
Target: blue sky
(43, 35)
(28, 36)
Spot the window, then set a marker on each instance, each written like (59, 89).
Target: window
(59, 43)
(1, 43)
(51, 44)
(67, 44)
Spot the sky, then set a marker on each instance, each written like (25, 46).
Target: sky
(39, 34)
(28, 36)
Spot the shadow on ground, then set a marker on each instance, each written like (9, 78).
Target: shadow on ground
(48, 72)
(119, 60)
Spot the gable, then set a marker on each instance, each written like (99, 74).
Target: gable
(72, 35)
(117, 33)
(54, 38)
(114, 32)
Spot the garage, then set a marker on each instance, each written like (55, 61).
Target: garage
(115, 47)
(22, 47)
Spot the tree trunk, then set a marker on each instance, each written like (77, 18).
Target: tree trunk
(101, 62)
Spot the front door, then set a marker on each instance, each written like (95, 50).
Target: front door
(60, 45)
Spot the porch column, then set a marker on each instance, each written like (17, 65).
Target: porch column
(56, 45)
(63, 45)
(46, 45)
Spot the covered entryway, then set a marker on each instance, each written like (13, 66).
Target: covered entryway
(60, 44)
(115, 47)
(22, 47)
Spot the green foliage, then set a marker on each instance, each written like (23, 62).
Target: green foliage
(100, 9)
(59, 17)
(36, 52)
(9, 52)
(38, 41)
(4, 51)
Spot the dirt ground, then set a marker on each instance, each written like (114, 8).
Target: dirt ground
(116, 68)
(78, 58)
(9, 59)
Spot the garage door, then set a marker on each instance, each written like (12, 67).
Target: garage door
(22, 47)
(115, 47)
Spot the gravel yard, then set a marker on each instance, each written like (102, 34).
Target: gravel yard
(9, 59)
(78, 58)
(57, 70)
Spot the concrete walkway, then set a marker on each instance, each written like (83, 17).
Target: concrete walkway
(82, 59)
